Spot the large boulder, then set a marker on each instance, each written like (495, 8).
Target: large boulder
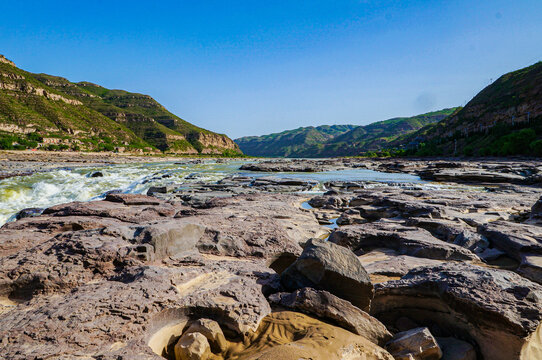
(327, 306)
(327, 266)
(497, 310)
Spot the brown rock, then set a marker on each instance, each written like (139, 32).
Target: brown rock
(212, 331)
(192, 346)
(326, 306)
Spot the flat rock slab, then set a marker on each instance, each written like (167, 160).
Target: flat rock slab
(389, 263)
(405, 240)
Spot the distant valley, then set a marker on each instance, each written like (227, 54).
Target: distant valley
(504, 119)
(337, 140)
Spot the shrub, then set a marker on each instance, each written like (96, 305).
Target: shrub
(536, 147)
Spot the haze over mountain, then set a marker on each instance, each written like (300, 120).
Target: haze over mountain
(505, 118)
(50, 111)
(336, 140)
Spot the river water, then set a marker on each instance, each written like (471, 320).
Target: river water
(43, 190)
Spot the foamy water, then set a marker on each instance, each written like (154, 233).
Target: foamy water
(42, 190)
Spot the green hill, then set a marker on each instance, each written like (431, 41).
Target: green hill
(58, 114)
(336, 140)
(505, 118)
(290, 142)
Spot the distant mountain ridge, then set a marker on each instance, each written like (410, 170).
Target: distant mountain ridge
(90, 117)
(336, 140)
(290, 142)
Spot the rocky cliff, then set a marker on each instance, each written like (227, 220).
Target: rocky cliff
(505, 118)
(88, 116)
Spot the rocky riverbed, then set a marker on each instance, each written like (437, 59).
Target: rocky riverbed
(262, 267)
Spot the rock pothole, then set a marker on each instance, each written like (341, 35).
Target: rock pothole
(281, 334)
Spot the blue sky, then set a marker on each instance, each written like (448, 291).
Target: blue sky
(255, 67)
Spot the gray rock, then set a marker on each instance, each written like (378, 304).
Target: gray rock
(326, 266)
(522, 242)
(389, 263)
(417, 344)
(160, 189)
(172, 237)
(455, 349)
(28, 212)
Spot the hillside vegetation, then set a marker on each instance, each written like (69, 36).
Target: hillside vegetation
(40, 110)
(505, 118)
(336, 140)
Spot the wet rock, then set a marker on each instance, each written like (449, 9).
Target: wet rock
(294, 165)
(96, 174)
(328, 202)
(326, 306)
(160, 189)
(403, 239)
(133, 199)
(471, 176)
(326, 266)
(417, 344)
(497, 310)
(192, 346)
(28, 212)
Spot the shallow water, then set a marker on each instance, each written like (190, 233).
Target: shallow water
(43, 190)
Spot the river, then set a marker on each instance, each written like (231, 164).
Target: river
(42, 190)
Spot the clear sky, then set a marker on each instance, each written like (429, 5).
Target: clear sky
(255, 67)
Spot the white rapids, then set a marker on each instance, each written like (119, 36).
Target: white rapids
(42, 190)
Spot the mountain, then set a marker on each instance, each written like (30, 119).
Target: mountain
(59, 114)
(505, 118)
(290, 142)
(336, 140)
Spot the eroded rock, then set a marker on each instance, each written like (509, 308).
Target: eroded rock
(327, 266)
(497, 310)
(327, 306)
